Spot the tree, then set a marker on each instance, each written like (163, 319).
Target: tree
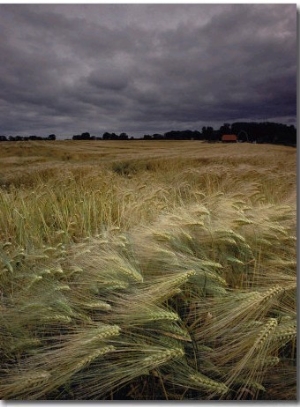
(225, 129)
(106, 136)
(85, 136)
(207, 133)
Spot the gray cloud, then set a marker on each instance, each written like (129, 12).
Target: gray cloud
(145, 68)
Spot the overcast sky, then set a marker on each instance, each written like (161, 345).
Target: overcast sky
(145, 68)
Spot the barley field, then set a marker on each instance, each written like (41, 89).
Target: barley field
(147, 270)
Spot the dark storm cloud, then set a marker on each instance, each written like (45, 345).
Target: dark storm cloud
(145, 68)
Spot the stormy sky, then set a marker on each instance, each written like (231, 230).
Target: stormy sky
(145, 68)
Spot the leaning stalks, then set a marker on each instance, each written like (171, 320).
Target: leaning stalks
(159, 278)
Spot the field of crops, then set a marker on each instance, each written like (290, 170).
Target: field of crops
(147, 270)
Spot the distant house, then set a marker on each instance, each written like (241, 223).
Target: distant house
(229, 138)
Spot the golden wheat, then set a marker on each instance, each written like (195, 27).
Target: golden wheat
(162, 269)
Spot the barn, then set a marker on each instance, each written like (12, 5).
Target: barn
(229, 138)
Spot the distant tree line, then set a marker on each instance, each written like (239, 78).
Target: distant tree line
(106, 136)
(26, 138)
(252, 132)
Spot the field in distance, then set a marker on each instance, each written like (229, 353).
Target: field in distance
(126, 183)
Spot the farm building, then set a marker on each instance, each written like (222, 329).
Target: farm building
(229, 138)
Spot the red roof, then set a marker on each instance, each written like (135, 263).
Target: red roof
(229, 137)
